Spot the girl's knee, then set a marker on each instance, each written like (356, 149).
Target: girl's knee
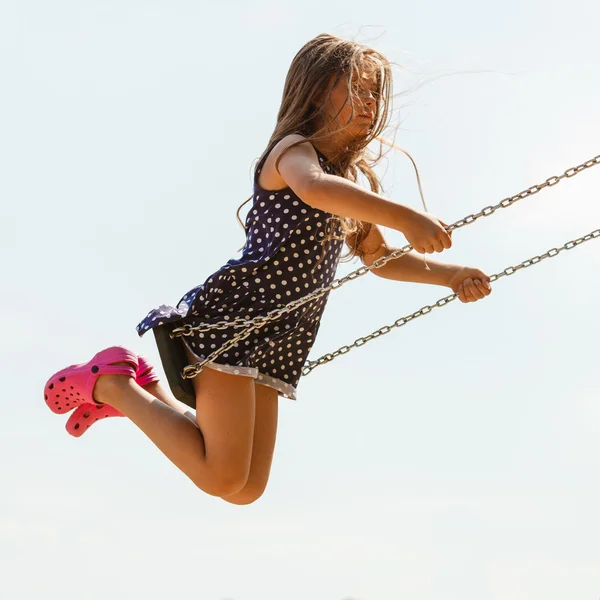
(247, 495)
(222, 482)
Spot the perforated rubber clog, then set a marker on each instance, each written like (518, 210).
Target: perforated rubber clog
(74, 385)
(85, 415)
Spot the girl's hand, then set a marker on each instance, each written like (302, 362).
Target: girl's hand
(470, 284)
(425, 233)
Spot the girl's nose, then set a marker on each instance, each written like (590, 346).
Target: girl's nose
(368, 99)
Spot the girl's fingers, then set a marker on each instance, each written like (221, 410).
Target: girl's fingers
(477, 293)
(445, 225)
(472, 290)
(468, 287)
(481, 287)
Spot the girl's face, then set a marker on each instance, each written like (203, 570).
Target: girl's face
(355, 114)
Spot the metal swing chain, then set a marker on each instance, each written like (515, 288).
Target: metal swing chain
(240, 322)
(258, 322)
(425, 310)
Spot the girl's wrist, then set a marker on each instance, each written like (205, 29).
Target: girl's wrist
(450, 273)
(403, 216)
(428, 270)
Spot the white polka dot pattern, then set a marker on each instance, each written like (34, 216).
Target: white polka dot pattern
(284, 259)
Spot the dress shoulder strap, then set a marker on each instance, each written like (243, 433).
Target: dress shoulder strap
(262, 161)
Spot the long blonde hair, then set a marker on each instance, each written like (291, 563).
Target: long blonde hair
(308, 84)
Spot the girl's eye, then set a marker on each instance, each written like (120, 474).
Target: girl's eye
(358, 89)
(365, 92)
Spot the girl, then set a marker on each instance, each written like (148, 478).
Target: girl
(306, 204)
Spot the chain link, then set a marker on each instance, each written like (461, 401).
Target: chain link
(312, 364)
(256, 323)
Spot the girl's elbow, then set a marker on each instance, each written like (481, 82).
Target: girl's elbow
(380, 271)
(368, 257)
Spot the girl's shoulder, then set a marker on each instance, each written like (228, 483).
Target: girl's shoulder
(291, 139)
(268, 176)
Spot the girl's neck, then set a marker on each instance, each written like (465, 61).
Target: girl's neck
(329, 148)
(332, 147)
(325, 149)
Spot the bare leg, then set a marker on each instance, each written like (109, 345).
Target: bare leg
(164, 395)
(265, 431)
(215, 453)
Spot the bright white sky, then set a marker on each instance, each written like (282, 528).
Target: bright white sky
(456, 458)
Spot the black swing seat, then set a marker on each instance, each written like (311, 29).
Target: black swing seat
(173, 357)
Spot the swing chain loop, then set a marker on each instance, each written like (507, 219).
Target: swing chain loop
(185, 330)
(310, 365)
(254, 324)
(443, 301)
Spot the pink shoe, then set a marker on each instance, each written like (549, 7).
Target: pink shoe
(145, 373)
(87, 414)
(74, 385)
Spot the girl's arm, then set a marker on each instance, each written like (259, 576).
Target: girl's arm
(470, 284)
(410, 267)
(299, 168)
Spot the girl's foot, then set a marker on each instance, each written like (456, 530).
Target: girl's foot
(85, 415)
(75, 385)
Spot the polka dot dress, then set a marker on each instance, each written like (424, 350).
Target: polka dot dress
(284, 259)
